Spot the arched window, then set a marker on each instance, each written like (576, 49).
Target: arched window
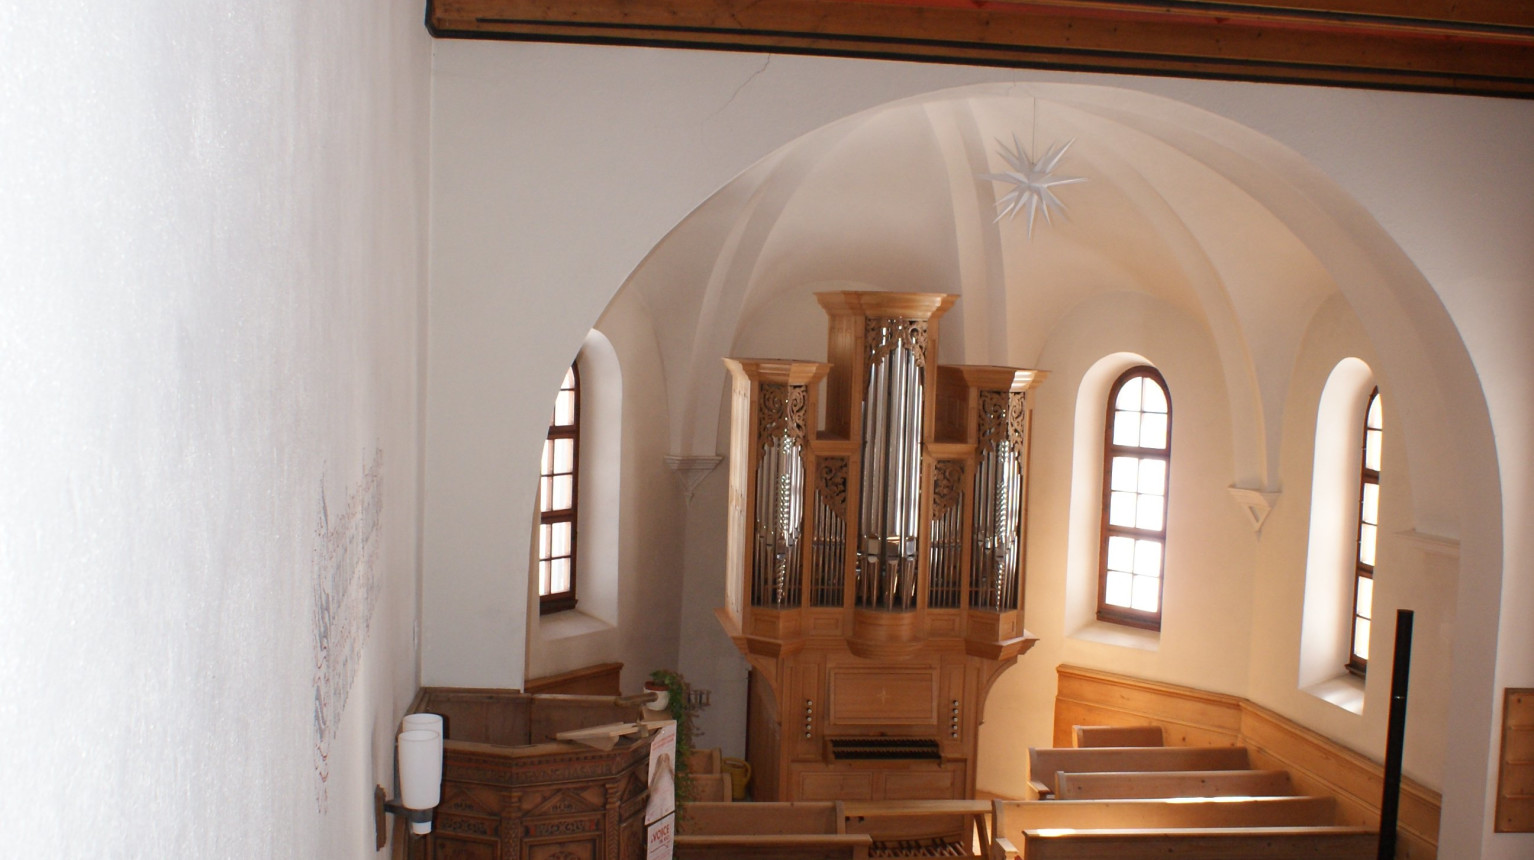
(558, 487)
(1368, 529)
(1343, 517)
(1136, 454)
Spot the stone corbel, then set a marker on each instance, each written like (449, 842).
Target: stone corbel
(1256, 503)
(690, 471)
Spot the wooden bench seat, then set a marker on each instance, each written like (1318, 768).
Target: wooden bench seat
(1045, 762)
(1207, 843)
(1185, 783)
(1119, 736)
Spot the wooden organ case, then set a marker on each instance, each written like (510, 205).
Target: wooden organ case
(875, 577)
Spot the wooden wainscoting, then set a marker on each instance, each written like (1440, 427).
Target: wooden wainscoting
(1190, 717)
(1515, 776)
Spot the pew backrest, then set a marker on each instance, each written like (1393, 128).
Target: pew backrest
(1216, 843)
(1045, 762)
(712, 787)
(1187, 783)
(1119, 736)
(783, 846)
(1012, 817)
(892, 822)
(762, 819)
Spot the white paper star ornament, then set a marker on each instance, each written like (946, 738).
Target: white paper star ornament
(1032, 182)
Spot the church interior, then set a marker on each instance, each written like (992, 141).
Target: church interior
(291, 290)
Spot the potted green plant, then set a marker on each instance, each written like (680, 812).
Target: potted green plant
(680, 707)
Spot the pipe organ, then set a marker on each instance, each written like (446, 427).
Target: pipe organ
(875, 556)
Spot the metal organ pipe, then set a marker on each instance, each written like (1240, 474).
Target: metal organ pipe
(776, 580)
(998, 492)
(892, 447)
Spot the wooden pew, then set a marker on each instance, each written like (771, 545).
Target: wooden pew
(768, 831)
(1045, 762)
(787, 846)
(709, 783)
(733, 819)
(712, 788)
(1119, 736)
(916, 828)
(1210, 843)
(1012, 818)
(1183, 783)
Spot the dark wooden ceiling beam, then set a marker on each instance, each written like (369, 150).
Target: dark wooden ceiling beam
(1482, 47)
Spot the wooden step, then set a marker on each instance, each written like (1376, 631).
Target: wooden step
(1187, 783)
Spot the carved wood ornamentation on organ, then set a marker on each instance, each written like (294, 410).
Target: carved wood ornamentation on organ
(875, 563)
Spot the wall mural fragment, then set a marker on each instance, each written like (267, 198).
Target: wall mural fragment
(346, 587)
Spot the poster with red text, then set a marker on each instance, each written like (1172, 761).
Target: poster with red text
(659, 837)
(662, 773)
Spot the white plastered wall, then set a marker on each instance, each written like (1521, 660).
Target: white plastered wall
(629, 589)
(1206, 613)
(557, 169)
(1412, 572)
(213, 233)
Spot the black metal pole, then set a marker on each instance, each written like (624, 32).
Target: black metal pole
(1395, 738)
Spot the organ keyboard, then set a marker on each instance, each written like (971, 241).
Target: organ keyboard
(883, 749)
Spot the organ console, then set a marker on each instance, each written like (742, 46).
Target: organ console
(875, 562)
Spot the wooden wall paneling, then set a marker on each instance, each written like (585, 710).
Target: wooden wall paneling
(882, 695)
(1321, 766)
(820, 784)
(947, 780)
(762, 738)
(1188, 717)
(1515, 776)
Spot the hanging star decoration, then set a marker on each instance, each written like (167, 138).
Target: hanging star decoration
(1033, 182)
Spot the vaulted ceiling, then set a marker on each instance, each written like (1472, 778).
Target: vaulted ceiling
(1467, 46)
(1181, 208)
